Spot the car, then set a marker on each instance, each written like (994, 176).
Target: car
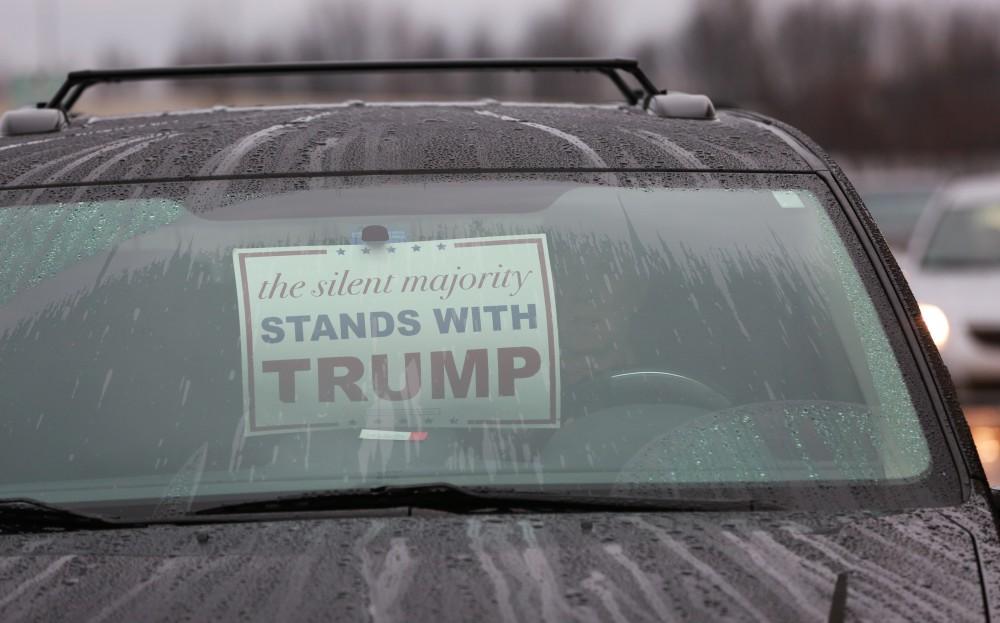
(452, 361)
(953, 265)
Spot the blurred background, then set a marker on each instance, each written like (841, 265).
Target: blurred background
(904, 93)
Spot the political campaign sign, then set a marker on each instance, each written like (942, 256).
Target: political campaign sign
(399, 336)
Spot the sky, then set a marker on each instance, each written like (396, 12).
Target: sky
(58, 35)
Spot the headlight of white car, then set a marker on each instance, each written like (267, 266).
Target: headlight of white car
(937, 323)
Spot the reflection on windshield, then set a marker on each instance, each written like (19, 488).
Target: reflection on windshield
(705, 338)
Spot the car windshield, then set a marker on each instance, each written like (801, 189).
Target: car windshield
(620, 334)
(968, 236)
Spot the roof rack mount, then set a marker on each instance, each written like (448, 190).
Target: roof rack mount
(79, 81)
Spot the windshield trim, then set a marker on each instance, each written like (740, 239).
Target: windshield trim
(280, 175)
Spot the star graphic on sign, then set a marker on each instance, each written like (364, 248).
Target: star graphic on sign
(415, 247)
(441, 246)
(366, 250)
(341, 252)
(391, 249)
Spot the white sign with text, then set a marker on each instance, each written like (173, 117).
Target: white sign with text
(399, 336)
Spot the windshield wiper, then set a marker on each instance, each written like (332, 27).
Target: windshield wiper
(27, 515)
(451, 498)
(19, 515)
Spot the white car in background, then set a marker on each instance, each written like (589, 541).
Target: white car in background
(953, 266)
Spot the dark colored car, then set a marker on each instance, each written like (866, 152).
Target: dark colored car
(466, 361)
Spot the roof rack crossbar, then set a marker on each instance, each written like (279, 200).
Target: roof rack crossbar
(73, 94)
(78, 81)
(628, 92)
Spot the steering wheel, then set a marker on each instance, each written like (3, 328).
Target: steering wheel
(652, 386)
(636, 405)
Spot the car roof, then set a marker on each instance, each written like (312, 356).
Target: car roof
(410, 137)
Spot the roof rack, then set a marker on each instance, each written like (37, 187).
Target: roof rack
(79, 81)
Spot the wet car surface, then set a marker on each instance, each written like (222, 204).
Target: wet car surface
(927, 550)
(383, 137)
(636, 567)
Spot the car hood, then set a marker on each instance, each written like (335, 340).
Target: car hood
(625, 567)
